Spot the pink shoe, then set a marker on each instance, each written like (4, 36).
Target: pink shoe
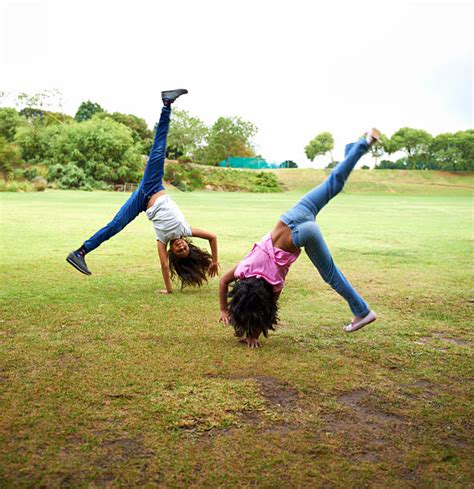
(372, 136)
(358, 323)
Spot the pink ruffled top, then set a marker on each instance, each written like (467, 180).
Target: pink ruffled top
(267, 262)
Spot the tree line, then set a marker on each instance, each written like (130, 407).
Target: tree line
(97, 149)
(447, 151)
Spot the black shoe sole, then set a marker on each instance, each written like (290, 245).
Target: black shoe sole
(76, 267)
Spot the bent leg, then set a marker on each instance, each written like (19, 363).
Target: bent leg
(317, 198)
(152, 180)
(127, 213)
(311, 238)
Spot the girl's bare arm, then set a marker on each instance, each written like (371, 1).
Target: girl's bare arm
(212, 238)
(224, 282)
(165, 268)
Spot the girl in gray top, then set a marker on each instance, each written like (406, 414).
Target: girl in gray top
(192, 264)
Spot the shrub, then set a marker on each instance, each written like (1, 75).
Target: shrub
(103, 149)
(184, 177)
(9, 121)
(30, 173)
(15, 186)
(9, 157)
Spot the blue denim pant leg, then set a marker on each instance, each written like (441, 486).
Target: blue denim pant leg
(151, 183)
(127, 213)
(317, 198)
(311, 238)
(306, 233)
(152, 180)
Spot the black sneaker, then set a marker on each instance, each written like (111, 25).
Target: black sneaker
(170, 96)
(78, 262)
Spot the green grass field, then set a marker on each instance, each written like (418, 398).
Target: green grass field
(105, 382)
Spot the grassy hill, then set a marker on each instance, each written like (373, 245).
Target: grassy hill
(382, 181)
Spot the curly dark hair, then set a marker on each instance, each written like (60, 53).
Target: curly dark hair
(252, 307)
(191, 270)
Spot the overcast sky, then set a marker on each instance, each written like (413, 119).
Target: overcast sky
(293, 68)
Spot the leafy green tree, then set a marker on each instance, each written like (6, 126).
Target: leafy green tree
(141, 134)
(103, 148)
(42, 117)
(86, 110)
(186, 134)
(414, 142)
(465, 142)
(229, 136)
(454, 151)
(10, 119)
(36, 141)
(320, 145)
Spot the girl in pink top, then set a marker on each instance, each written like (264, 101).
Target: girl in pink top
(251, 306)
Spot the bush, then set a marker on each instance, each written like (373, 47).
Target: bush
(9, 121)
(9, 157)
(103, 149)
(15, 186)
(30, 173)
(267, 182)
(184, 177)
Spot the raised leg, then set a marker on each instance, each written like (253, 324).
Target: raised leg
(152, 180)
(317, 198)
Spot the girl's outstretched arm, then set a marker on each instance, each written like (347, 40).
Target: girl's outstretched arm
(213, 269)
(165, 268)
(224, 282)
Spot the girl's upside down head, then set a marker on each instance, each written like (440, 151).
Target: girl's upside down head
(191, 269)
(253, 307)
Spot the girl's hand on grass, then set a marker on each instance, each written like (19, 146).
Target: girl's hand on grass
(213, 269)
(224, 317)
(164, 291)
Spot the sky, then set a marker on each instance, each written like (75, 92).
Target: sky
(294, 69)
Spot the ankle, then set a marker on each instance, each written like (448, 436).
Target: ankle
(81, 251)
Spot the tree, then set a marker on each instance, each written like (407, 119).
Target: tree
(9, 121)
(36, 141)
(454, 151)
(465, 143)
(86, 110)
(229, 136)
(102, 148)
(186, 134)
(141, 134)
(320, 145)
(414, 142)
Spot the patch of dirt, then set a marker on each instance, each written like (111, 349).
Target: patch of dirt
(278, 394)
(363, 406)
(439, 336)
(366, 456)
(452, 341)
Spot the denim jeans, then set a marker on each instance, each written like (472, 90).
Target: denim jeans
(306, 233)
(151, 183)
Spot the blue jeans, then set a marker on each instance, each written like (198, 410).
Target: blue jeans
(151, 183)
(306, 233)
